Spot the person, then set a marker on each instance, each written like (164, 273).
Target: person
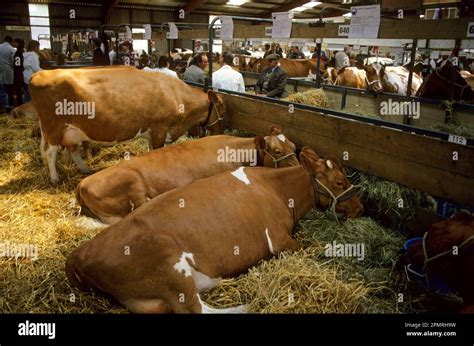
(125, 57)
(18, 69)
(112, 55)
(6, 72)
(198, 48)
(163, 64)
(272, 80)
(267, 50)
(99, 56)
(278, 50)
(342, 58)
(226, 77)
(296, 54)
(195, 71)
(322, 53)
(31, 64)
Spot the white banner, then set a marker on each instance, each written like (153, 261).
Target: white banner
(128, 35)
(147, 28)
(227, 28)
(282, 24)
(173, 33)
(365, 21)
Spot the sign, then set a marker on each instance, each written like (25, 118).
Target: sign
(227, 28)
(17, 28)
(173, 33)
(128, 34)
(343, 30)
(470, 29)
(457, 139)
(147, 28)
(281, 24)
(365, 21)
(268, 31)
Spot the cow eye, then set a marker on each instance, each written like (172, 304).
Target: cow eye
(277, 151)
(340, 184)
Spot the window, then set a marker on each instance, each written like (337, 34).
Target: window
(39, 22)
(140, 46)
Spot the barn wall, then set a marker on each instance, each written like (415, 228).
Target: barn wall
(15, 13)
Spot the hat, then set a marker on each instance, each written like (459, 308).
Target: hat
(273, 57)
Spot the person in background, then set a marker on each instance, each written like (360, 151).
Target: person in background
(272, 80)
(342, 58)
(296, 54)
(18, 69)
(226, 77)
(195, 71)
(113, 55)
(125, 57)
(322, 53)
(198, 48)
(99, 57)
(6, 72)
(31, 64)
(267, 50)
(163, 67)
(278, 50)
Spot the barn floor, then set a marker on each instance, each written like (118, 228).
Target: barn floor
(39, 215)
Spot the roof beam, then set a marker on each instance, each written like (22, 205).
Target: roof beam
(191, 5)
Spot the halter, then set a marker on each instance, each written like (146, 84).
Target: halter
(444, 253)
(343, 196)
(463, 87)
(276, 160)
(370, 83)
(205, 124)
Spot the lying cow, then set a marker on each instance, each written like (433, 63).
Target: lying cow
(114, 104)
(447, 251)
(162, 255)
(114, 192)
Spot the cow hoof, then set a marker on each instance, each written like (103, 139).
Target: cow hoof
(55, 180)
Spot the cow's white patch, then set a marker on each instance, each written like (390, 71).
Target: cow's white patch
(281, 137)
(205, 309)
(183, 266)
(240, 174)
(270, 244)
(202, 281)
(132, 206)
(51, 155)
(89, 223)
(329, 164)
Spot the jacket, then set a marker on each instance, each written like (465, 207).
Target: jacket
(6, 63)
(276, 86)
(31, 64)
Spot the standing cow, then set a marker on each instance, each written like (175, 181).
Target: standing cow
(114, 104)
(227, 224)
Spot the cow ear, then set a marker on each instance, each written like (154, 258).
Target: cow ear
(212, 96)
(260, 143)
(310, 161)
(275, 130)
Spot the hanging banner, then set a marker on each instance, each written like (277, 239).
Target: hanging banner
(281, 24)
(365, 21)
(227, 28)
(173, 33)
(128, 34)
(147, 35)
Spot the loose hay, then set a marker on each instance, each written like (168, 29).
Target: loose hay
(465, 130)
(34, 212)
(312, 97)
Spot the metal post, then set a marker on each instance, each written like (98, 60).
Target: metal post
(318, 66)
(211, 43)
(406, 119)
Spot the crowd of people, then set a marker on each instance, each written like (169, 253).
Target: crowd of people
(16, 68)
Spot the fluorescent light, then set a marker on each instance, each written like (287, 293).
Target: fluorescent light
(348, 14)
(422, 16)
(236, 2)
(307, 6)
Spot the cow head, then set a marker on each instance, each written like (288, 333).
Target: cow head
(457, 270)
(216, 114)
(330, 75)
(373, 77)
(328, 174)
(276, 150)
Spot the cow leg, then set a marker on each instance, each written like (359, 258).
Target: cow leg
(51, 156)
(146, 306)
(76, 157)
(158, 138)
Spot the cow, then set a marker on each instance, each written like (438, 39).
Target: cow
(446, 83)
(163, 254)
(447, 251)
(354, 77)
(329, 76)
(112, 193)
(293, 67)
(468, 77)
(114, 104)
(395, 80)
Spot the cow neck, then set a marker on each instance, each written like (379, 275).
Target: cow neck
(200, 106)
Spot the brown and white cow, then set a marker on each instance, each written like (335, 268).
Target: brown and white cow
(447, 251)
(114, 192)
(395, 80)
(114, 104)
(162, 255)
(293, 67)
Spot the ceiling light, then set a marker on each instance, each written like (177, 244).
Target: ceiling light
(236, 2)
(348, 14)
(307, 6)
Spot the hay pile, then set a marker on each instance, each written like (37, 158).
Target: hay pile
(34, 212)
(312, 97)
(465, 130)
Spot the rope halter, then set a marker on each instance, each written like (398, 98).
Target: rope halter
(343, 196)
(219, 118)
(276, 160)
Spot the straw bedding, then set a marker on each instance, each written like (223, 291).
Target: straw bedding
(34, 212)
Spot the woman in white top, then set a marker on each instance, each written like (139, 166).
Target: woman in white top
(31, 64)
